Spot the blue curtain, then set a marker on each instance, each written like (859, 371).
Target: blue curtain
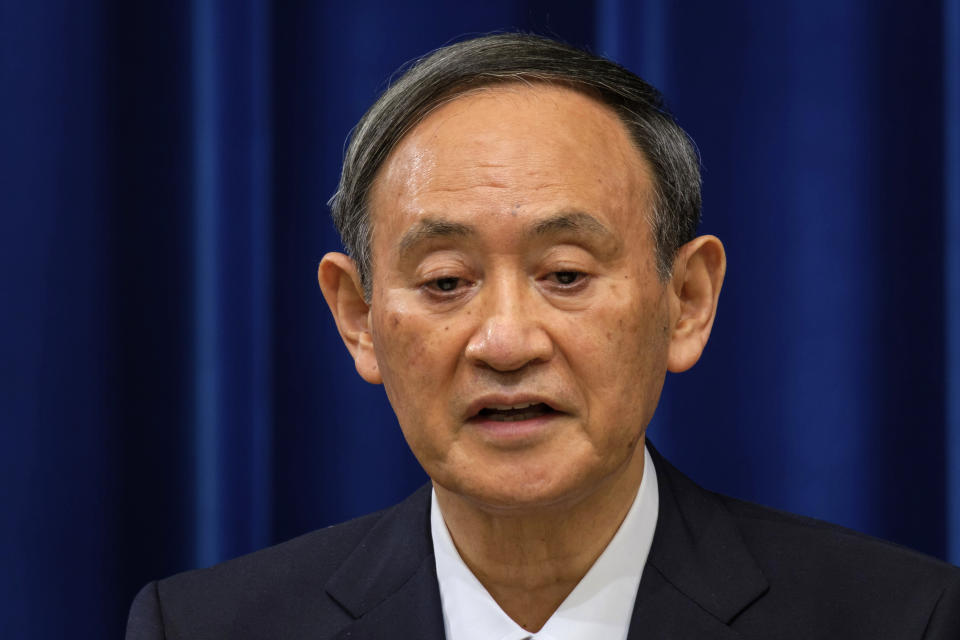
(174, 392)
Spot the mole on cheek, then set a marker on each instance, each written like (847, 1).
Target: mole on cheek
(416, 348)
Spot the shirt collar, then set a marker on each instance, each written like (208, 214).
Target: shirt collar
(601, 604)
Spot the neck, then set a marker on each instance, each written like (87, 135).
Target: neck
(530, 560)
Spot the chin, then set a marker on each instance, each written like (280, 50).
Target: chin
(513, 488)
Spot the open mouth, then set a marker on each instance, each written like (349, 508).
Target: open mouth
(515, 413)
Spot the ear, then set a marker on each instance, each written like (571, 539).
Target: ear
(340, 283)
(698, 272)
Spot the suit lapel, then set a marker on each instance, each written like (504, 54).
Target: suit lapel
(699, 574)
(663, 611)
(389, 582)
(413, 611)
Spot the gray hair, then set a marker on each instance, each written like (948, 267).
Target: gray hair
(510, 57)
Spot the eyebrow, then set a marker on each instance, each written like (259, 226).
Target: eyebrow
(576, 222)
(431, 228)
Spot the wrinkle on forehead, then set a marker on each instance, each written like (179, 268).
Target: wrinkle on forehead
(469, 150)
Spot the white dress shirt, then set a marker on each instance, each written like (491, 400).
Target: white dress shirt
(600, 606)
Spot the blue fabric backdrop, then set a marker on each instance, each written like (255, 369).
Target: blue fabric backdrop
(174, 392)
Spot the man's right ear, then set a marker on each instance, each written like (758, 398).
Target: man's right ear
(340, 283)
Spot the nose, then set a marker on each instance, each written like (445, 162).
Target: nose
(512, 332)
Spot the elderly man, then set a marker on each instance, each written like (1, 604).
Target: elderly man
(523, 271)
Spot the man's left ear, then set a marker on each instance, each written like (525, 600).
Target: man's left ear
(695, 285)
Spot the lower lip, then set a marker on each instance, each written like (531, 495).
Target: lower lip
(517, 432)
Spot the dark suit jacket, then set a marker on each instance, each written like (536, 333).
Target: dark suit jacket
(719, 568)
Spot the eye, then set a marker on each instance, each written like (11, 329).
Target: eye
(445, 287)
(445, 284)
(567, 278)
(566, 282)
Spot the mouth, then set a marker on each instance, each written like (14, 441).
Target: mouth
(515, 413)
(513, 422)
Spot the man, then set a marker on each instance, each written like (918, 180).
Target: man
(523, 272)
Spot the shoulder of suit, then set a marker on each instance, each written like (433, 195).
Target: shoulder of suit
(780, 530)
(321, 550)
(837, 569)
(283, 584)
(791, 546)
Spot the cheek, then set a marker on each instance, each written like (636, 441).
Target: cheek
(400, 349)
(626, 336)
(416, 358)
(622, 359)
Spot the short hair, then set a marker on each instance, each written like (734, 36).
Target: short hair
(458, 68)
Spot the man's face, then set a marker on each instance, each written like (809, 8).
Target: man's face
(518, 322)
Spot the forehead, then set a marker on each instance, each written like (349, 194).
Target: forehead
(499, 149)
